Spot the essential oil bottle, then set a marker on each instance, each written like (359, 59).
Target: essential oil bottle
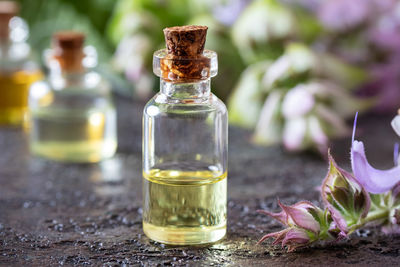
(72, 114)
(185, 142)
(17, 71)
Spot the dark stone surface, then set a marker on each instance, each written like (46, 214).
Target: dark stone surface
(90, 214)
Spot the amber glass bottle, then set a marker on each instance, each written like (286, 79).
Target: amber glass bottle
(72, 113)
(17, 71)
(185, 145)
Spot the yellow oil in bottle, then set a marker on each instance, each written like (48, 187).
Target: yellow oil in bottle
(14, 88)
(184, 207)
(73, 136)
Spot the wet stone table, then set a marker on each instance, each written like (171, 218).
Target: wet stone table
(90, 214)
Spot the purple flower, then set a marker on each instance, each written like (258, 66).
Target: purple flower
(228, 13)
(385, 31)
(291, 237)
(345, 198)
(304, 222)
(373, 180)
(299, 214)
(384, 84)
(341, 15)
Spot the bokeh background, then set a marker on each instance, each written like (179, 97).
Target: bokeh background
(292, 71)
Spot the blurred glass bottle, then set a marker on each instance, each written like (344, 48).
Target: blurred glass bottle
(17, 71)
(73, 117)
(185, 142)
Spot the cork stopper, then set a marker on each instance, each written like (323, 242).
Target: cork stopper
(68, 49)
(8, 10)
(185, 41)
(184, 59)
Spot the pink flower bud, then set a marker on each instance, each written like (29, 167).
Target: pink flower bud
(304, 221)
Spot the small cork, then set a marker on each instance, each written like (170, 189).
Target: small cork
(8, 9)
(185, 41)
(68, 49)
(68, 40)
(185, 61)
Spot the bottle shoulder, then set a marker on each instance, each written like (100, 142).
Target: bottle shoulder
(81, 84)
(160, 104)
(50, 93)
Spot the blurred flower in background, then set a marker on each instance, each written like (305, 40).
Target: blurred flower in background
(306, 99)
(129, 59)
(351, 65)
(368, 35)
(227, 12)
(292, 71)
(351, 13)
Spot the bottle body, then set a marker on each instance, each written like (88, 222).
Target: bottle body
(17, 73)
(72, 118)
(185, 165)
(14, 89)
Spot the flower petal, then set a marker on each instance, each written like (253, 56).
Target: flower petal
(373, 180)
(396, 154)
(280, 216)
(290, 237)
(294, 133)
(276, 71)
(338, 219)
(396, 124)
(301, 218)
(279, 236)
(295, 238)
(297, 102)
(268, 129)
(304, 205)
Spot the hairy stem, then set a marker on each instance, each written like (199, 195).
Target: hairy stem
(372, 216)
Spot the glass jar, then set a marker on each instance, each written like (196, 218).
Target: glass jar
(17, 70)
(73, 117)
(185, 142)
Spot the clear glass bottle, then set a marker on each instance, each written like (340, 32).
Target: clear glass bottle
(73, 117)
(185, 146)
(17, 71)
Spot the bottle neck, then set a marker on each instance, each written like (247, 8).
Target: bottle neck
(66, 68)
(58, 67)
(4, 39)
(61, 77)
(4, 30)
(70, 65)
(199, 90)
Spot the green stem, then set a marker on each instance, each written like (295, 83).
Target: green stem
(373, 216)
